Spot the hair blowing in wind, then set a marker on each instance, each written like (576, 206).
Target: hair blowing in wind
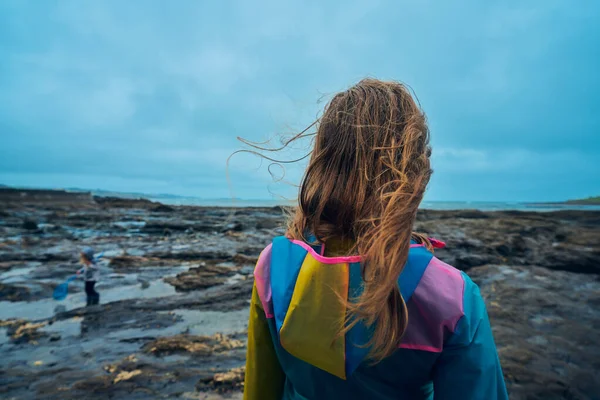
(365, 179)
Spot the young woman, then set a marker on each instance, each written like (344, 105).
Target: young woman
(91, 274)
(351, 303)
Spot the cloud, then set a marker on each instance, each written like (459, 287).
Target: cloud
(139, 94)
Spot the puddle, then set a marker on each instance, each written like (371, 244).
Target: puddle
(130, 224)
(111, 253)
(41, 309)
(234, 279)
(210, 322)
(4, 338)
(68, 327)
(136, 252)
(156, 288)
(83, 233)
(202, 323)
(173, 358)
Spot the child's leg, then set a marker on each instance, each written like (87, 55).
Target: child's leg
(96, 295)
(89, 291)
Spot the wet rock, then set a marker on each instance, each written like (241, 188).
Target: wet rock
(47, 228)
(12, 323)
(60, 309)
(54, 338)
(545, 319)
(159, 227)
(105, 319)
(244, 259)
(162, 208)
(269, 223)
(468, 261)
(190, 254)
(22, 331)
(10, 292)
(30, 225)
(223, 382)
(566, 240)
(546, 326)
(196, 345)
(118, 202)
(233, 227)
(126, 375)
(247, 270)
(127, 261)
(130, 262)
(201, 277)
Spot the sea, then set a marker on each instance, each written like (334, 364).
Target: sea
(431, 205)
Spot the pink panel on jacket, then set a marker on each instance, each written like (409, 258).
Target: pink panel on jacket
(434, 308)
(262, 280)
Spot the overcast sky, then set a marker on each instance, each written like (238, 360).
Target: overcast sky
(149, 96)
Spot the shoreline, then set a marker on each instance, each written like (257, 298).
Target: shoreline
(40, 196)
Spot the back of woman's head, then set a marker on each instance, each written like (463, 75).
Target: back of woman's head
(365, 179)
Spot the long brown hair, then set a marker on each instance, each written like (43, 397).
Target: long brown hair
(364, 182)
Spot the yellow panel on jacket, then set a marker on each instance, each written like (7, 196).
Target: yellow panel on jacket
(318, 306)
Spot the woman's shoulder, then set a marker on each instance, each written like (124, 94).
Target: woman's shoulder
(435, 307)
(442, 288)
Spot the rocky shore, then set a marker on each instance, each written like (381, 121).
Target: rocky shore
(176, 283)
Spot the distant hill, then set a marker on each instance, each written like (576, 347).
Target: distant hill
(124, 195)
(590, 201)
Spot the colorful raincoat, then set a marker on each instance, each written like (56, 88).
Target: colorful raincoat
(295, 351)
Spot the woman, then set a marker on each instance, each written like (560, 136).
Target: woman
(351, 303)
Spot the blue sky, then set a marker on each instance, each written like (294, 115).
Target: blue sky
(149, 96)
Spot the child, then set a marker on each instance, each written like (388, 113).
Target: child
(91, 274)
(352, 304)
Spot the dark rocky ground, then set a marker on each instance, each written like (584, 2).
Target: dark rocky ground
(177, 280)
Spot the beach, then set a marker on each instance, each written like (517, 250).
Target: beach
(176, 282)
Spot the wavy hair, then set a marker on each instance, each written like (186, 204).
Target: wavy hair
(366, 176)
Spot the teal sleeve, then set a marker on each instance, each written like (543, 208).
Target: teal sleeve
(469, 368)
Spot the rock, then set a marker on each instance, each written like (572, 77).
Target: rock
(55, 338)
(188, 254)
(201, 277)
(235, 227)
(223, 382)
(246, 259)
(14, 293)
(30, 225)
(9, 323)
(546, 326)
(197, 345)
(126, 261)
(118, 202)
(468, 261)
(162, 208)
(159, 227)
(126, 375)
(544, 312)
(47, 228)
(24, 332)
(247, 270)
(60, 309)
(269, 223)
